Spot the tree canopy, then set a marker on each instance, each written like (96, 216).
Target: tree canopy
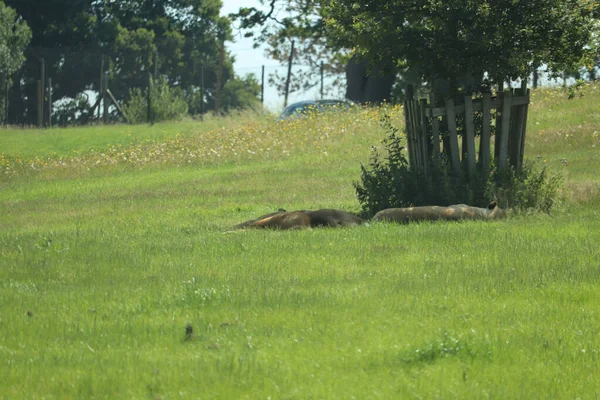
(14, 38)
(446, 40)
(178, 39)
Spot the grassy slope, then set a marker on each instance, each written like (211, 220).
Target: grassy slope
(114, 261)
(29, 143)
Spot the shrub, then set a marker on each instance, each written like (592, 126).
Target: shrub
(389, 181)
(166, 103)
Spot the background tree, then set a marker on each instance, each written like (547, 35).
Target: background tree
(304, 23)
(65, 24)
(14, 38)
(179, 39)
(240, 93)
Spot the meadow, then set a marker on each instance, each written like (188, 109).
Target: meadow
(115, 239)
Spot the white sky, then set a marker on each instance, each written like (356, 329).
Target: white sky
(249, 60)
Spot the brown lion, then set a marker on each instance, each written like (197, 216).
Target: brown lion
(302, 219)
(434, 213)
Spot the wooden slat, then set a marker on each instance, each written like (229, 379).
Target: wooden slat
(477, 106)
(116, 104)
(105, 103)
(470, 135)
(423, 135)
(498, 131)
(409, 136)
(523, 132)
(454, 155)
(506, 111)
(484, 143)
(514, 140)
(435, 128)
(93, 109)
(417, 127)
(435, 132)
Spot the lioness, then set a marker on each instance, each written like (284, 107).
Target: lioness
(433, 213)
(302, 219)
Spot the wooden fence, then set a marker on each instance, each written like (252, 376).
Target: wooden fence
(424, 134)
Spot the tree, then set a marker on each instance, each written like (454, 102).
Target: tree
(186, 35)
(14, 38)
(458, 42)
(177, 39)
(304, 23)
(239, 93)
(65, 34)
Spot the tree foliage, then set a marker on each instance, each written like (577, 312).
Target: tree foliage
(178, 40)
(14, 38)
(450, 39)
(302, 22)
(463, 39)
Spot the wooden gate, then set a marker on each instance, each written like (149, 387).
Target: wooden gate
(424, 135)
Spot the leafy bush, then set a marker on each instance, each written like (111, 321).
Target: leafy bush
(389, 182)
(166, 103)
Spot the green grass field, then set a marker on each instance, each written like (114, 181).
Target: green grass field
(110, 247)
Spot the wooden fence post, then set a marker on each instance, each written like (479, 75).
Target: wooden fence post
(106, 101)
(149, 99)
(6, 101)
(49, 102)
(42, 90)
(40, 103)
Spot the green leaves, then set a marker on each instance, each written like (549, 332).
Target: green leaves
(445, 40)
(14, 38)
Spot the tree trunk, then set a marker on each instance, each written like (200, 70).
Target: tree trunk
(366, 85)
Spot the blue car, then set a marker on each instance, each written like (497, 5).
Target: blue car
(302, 108)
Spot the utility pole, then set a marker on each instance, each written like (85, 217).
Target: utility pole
(202, 89)
(40, 103)
(43, 86)
(149, 99)
(219, 77)
(106, 101)
(101, 90)
(49, 102)
(6, 102)
(262, 85)
(289, 75)
(321, 80)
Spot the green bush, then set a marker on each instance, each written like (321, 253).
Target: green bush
(166, 103)
(389, 182)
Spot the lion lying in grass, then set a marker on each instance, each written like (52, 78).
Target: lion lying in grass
(434, 213)
(335, 218)
(302, 219)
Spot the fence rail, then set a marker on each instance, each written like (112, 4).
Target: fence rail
(424, 121)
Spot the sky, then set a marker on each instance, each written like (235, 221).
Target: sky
(249, 60)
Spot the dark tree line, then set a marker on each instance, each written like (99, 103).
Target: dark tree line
(179, 40)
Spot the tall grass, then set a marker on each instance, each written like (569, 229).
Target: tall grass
(102, 268)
